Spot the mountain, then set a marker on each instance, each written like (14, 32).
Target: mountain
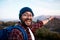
(39, 18)
(53, 25)
(6, 20)
(43, 17)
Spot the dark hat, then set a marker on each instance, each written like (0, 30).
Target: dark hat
(23, 10)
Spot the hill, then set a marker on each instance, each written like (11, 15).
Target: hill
(53, 25)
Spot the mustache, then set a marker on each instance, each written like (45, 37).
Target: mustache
(28, 19)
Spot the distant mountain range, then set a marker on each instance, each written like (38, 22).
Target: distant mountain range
(43, 17)
(5, 20)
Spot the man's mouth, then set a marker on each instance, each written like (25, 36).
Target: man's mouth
(28, 22)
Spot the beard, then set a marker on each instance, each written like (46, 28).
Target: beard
(26, 22)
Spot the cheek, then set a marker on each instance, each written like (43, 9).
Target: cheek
(23, 18)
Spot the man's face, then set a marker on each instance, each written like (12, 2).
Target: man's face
(27, 18)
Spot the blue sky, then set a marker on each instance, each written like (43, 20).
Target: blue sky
(9, 9)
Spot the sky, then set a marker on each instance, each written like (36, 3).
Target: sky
(9, 9)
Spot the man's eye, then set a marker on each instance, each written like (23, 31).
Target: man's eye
(24, 15)
(31, 15)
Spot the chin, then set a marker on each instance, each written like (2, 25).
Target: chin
(28, 24)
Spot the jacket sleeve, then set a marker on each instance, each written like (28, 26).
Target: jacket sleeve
(36, 26)
(15, 35)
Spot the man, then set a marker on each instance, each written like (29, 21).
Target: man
(26, 15)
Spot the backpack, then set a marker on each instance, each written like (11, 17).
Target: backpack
(4, 33)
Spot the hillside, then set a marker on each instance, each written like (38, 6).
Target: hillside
(53, 25)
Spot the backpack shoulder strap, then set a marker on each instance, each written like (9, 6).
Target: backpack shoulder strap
(25, 36)
(3, 34)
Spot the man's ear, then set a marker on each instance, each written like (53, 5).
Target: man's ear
(20, 18)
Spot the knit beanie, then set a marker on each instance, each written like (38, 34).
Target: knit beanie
(23, 10)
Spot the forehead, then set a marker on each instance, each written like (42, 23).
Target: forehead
(27, 12)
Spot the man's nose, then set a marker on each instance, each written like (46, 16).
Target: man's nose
(29, 17)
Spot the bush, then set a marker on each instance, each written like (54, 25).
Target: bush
(45, 34)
